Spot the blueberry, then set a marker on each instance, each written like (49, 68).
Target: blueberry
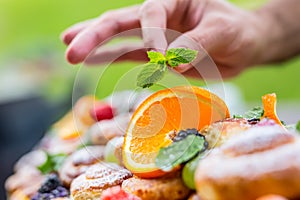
(64, 193)
(41, 196)
(55, 192)
(60, 192)
(50, 184)
(184, 133)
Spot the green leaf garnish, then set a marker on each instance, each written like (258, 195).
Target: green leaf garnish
(298, 126)
(177, 56)
(180, 152)
(238, 116)
(52, 163)
(156, 68)
(156, 57)
(255, 113)
(150, 74)
(188, 171)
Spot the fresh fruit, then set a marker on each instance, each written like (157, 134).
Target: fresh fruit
(188, 172)
(50, 184)
(51, 188)
(75, 122)
(66, 127)
(184, 133)
(102, 111)
(116, 193)
(177, 153)
(19, 195)
(57, 192)
(162, 115)
(269, 103)
(81, 110)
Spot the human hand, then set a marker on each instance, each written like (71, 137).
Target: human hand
(234, 38)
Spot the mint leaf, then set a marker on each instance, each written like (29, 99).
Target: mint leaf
(255, 113)
(188, 171)
(177, 56)
(298, 126)
(150, 74)
(180, 152)
(155, 69)
(47, 166)
(156, 57)
(52, 163)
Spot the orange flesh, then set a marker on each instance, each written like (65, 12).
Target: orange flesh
(168, 111)
(269, 104)
(167, 115)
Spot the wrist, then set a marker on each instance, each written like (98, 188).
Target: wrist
(280, 35)
(270, 37)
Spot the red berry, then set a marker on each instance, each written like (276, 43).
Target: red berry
(102, 111)
(116, 193)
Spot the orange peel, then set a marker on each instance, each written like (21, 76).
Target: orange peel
(159, 117)
(269, 105)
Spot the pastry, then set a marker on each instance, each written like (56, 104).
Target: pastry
(165, 188)
(97, 178)
(262, 161)
(79, 161)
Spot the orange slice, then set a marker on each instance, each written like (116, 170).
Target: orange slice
(159, 117)
(75, 122)
(269, 104)
(19, 194)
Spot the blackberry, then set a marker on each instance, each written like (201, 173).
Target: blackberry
(60, 191)
(51, 188)
(184, 133)
(51, 183)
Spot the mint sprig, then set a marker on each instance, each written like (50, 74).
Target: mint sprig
(179, 56)
(180, 152)
(156, 57)
(150, 74)
(255, 113)
(53, 163)
(156, 68)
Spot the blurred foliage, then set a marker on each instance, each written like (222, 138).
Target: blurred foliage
(30, 29)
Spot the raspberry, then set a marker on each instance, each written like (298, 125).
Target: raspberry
(102, 111)
(116, 193)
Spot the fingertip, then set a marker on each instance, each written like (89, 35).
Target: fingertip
(72, 56)
(66, 38)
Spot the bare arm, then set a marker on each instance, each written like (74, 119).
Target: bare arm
(282, 18)
(233, 37)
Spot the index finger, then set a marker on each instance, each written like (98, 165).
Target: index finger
(109, 24)
(153, 19)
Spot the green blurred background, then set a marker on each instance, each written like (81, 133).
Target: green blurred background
(30, 36)
(32, 64)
